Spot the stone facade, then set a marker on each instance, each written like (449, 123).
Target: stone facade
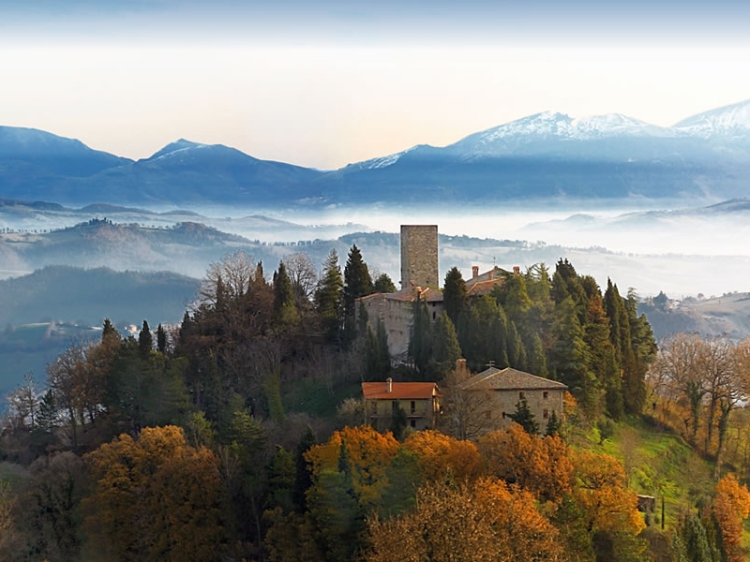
(508, 386)
(419, 256)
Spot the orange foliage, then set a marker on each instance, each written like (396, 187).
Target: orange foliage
(486, 521)
(440, 455)
(369, 453)
(539, 464)
(731, 505)
(154, 499)
(601, 490)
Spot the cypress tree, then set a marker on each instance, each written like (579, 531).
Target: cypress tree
(284, 306)
(454, 295)
(445, 346)
(420, 339)
(145, 340)
(161, 339)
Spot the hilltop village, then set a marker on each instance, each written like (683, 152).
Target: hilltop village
(514, 415)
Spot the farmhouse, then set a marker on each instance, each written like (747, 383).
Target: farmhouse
(419, 400)
(507, 387)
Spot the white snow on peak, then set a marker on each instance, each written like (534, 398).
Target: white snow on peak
(730, 120)
(561, 125)
(383, 161)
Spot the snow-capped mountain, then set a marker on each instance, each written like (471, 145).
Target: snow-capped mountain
(728, 122)
(540, 157)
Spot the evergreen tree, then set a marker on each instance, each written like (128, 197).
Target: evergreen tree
(420, 339)
(524, 417)
(303, 477)
(445, 346)
(454, 295)
(399, 421)
(377, 357)
(357, 283)
(328, 298)
(145, 340)
(284, 306)
(570, 357)
(383, 284)
(108, 330)
(553, 425)
(161, 339)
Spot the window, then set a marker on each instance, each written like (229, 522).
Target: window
(413, 423)
(521, 396)
(433, 315)
(413, 407)
(503, 415)
(373, 407)
(546, 414)
(545, 395)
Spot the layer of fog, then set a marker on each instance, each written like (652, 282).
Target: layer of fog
(679, 252)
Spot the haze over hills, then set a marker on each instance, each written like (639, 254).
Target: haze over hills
(544, 156)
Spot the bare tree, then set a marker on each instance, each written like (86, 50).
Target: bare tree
(232, 276)
(23, 402)
(304, 279)
(676, 376)
(467, 412)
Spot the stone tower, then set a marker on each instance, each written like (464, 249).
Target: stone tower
(419, 256)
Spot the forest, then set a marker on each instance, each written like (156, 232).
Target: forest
(240, 433)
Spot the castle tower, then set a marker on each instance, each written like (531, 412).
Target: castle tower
(419, 256)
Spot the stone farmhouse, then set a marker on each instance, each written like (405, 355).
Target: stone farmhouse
(507, 387)
(419, 400)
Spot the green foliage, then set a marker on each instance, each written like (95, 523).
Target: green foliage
(420, 338)
(145, 340)
(399, 421)
(524, 417)
(445, 346)
(377, 356)
(284, 304)
(454, 294)
(329, 298)
(383, 284)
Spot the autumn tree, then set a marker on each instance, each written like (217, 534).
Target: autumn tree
(485, 521)
(731, 507)
(160, 486)
(441, 457)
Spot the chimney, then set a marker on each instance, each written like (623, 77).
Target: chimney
(389, 384)
(474, 271)
(461, 364)
(516, 270)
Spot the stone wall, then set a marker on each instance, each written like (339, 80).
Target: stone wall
(419, 256)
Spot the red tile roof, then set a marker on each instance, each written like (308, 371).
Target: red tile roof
(399, 390)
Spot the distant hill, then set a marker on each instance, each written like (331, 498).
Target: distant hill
(540, 157)
(87, 296)
(728, 315)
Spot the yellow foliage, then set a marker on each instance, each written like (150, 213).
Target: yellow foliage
(602, 491)
(369, 454)
(159, 486)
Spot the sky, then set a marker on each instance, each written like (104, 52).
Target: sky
(326, 83)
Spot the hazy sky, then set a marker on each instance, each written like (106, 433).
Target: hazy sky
(327, 83)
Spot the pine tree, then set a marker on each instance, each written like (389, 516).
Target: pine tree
(328, 298)
(357, 283)
(524, 417)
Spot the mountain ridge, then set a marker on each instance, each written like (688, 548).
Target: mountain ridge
(547, 155)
